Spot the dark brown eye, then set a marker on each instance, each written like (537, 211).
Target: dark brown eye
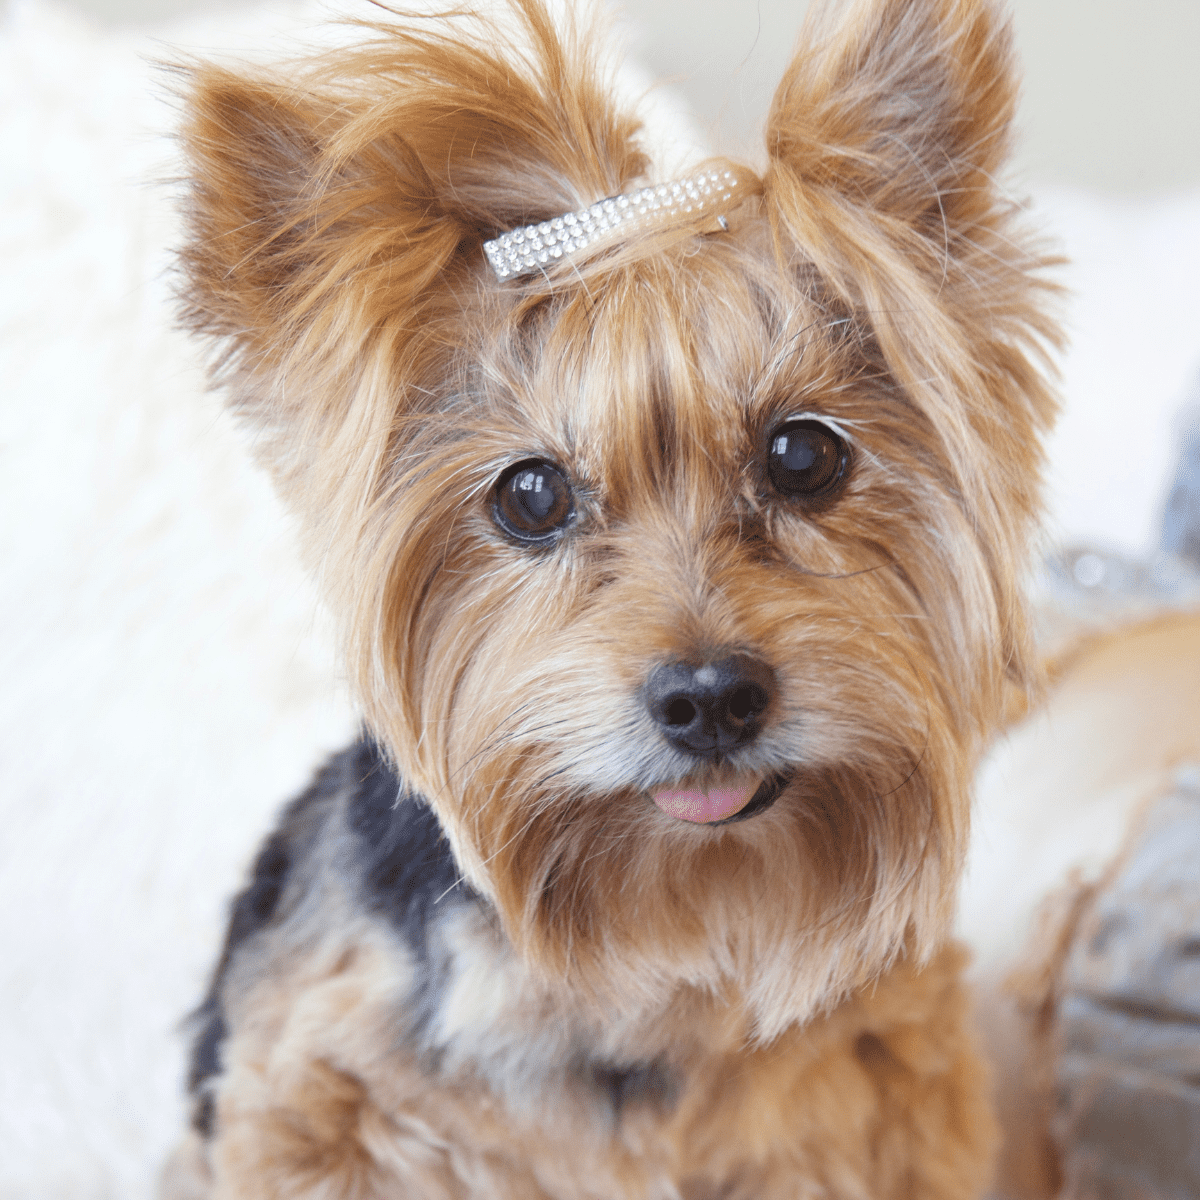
(806, 458)
(533, 502)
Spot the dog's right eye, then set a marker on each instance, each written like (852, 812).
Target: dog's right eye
(533, 503)
(806, 458)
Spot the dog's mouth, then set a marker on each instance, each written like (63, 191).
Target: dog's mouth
(720, 805)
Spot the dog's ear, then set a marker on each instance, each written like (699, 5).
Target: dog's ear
(894, 119)
(252, 151)
(885, 138)
(350, 199)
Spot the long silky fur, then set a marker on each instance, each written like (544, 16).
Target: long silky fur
(873, 272)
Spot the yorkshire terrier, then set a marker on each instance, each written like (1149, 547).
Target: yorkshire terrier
(676, 529)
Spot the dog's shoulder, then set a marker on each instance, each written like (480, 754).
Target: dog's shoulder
(400, 858)
(356, 823)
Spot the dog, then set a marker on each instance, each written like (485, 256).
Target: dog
(675, 529)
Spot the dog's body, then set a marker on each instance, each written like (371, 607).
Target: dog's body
(680, 582)
(386, 1041)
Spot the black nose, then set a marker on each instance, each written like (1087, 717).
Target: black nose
(709, 709)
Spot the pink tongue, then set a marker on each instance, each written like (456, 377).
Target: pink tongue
(701, 807)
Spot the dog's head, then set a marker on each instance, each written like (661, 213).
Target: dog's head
(682, 576)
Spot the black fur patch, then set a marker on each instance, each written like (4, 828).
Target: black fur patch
(253, 909)
(406, 871)
(405, 861)
(209, 1023)
(404, 868)
(649, 1083)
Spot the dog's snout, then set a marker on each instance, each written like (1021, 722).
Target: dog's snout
(710, 708)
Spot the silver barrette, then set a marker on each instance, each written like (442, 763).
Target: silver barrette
(527, 250)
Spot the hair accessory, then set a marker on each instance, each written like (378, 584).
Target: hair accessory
(527, 250)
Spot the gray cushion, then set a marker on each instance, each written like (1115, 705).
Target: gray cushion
(1128, 1109)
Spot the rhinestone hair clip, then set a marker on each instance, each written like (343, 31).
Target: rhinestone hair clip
(527, 250)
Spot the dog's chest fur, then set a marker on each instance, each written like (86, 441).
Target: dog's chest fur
(461, 1003)
(366, 987)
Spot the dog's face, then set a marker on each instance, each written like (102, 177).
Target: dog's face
(681, 579)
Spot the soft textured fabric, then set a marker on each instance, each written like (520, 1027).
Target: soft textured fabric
(1181, 515)
(164, 683)
(1129, 1015)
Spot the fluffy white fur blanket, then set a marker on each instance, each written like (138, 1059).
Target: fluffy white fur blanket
(165, 676)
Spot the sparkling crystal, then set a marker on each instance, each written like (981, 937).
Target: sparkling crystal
(521, 251)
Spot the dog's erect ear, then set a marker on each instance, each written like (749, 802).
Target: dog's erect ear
(252, 151)
(892, 124)
(355, 193)
(885, 140)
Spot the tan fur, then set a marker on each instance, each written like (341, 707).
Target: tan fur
(883, 1097)
(789, 966)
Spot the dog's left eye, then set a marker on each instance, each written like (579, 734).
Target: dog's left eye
(806, 458)
(533, 502)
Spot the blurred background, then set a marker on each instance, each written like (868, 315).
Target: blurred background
(166, 678)
(1109, 152)
(1112, 91)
